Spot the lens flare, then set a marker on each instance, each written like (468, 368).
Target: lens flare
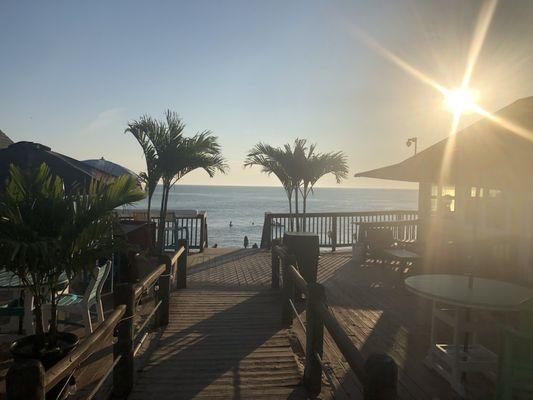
(461, 100)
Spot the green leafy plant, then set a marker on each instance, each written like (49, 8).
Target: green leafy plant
(47, 230)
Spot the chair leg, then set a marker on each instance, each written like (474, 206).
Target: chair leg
(100, 311)
(87, 321)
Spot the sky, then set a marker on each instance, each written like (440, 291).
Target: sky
(74, 73)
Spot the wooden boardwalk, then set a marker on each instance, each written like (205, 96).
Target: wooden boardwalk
(224, 339)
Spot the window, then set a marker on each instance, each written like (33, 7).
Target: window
(442, 199)
(496, 210)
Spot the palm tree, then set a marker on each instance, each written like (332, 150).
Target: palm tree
(283, 162)
(176, 155)
(152, 175)
(318, 165)
(272, 160)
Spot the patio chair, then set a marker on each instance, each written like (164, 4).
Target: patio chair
(377, 240)
(71, 303)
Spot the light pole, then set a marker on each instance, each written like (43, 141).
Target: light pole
(413, 140)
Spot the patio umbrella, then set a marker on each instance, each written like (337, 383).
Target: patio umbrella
(31, 155)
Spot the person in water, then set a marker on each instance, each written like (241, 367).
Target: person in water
(246, 242)
(230, 224)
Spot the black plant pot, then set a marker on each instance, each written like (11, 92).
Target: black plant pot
(25, 348)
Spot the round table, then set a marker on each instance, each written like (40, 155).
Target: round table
(10, 281)
(463, 293)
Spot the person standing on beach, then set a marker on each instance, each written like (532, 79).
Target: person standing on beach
(246, 242)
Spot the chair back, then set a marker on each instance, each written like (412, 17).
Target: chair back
(378, 239)
(96, 284)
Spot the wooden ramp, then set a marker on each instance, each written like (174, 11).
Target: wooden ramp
(222, 344)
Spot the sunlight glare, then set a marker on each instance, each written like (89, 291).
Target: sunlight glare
(461, 100)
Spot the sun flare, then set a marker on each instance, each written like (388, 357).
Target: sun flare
(461, 100)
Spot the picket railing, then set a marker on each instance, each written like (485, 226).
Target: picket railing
(334, 229)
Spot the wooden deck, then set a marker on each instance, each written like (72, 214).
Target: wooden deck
(224, 339)
(379, 315)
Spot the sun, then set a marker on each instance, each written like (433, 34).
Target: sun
(460, 100)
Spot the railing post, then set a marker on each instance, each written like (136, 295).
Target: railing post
(314, 339)
(287, 294)
(266, 236)
(305, 247)
(123, 371)
(25, 381)
(202, 233)
(381, 378)
(275, 270)
(163, 295)
(181, 281)
(334, 233)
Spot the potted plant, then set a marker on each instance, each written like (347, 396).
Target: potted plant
(49, 231)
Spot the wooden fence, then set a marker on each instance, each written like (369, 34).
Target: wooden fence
(27, 380)
(378, 373)
(193, 229)
(338, 229)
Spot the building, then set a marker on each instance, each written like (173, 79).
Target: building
(476, 192)
(5, 141)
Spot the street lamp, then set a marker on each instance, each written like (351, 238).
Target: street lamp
(413, 140)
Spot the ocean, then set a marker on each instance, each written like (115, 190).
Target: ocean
(245, 206)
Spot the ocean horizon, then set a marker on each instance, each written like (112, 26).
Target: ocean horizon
(244, 206)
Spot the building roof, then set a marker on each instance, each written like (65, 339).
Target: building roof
(4, 140)
(110, 167)
(29, 155)
(483, 154)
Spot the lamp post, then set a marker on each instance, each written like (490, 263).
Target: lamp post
(413, 140)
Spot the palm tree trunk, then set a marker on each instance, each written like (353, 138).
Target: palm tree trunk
(291, 222)
(162, 218)
(304, 201)
(149, 220)
(296, 210)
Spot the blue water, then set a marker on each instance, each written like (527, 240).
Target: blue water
(245, 206)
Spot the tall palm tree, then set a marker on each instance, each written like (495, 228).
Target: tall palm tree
(176, 155)
(317, 166)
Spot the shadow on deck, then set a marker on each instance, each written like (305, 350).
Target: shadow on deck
(224, 339)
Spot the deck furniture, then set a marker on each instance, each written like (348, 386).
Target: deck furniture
(462, 294)
(11, 282)
(405, 258)
(71, 303)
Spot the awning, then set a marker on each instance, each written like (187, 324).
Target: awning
(483, 154)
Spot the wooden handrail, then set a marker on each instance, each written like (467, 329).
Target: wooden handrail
(297, 278)
(149, 280)
(379, 224)
(177, 255)
(378, 373)
(343, 342)
(68, 364)
(342, 214)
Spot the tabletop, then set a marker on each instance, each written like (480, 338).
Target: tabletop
(484, 293)
(401, 253)
(10, 280)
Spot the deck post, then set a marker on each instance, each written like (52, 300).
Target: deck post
(287, 295)
(202, 233)
(305, 248)
(314, 340)
(163, 295)
(25, 381)
(181, 281)
(123, 371)
(381, 378)
(333, 233)
(275, 270)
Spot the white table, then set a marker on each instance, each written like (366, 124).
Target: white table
(464, 293)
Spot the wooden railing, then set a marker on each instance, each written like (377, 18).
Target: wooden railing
(378, 374)
(338, 229)
(27, 380)
(193, 229)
